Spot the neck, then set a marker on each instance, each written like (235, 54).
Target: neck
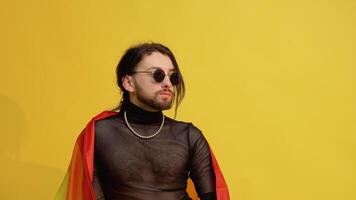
(136, 114)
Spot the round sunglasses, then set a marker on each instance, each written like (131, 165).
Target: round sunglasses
(159, 75)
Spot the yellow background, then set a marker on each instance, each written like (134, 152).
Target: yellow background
(270, 83)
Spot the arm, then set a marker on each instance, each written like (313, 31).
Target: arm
(201, 169)
(97, 175)
(99, 195)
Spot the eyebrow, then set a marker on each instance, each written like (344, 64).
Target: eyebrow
(156, 67)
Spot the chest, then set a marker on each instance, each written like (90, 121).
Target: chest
(126, 157)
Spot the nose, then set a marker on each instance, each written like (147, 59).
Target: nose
(166, 82)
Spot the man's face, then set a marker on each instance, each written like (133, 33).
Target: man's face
(148, 93)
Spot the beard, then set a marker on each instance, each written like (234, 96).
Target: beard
(154, 102)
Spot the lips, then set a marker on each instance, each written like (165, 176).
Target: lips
(165, 93)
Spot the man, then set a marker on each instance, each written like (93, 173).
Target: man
(138, 153)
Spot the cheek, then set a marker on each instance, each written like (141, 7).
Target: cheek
(148, 89)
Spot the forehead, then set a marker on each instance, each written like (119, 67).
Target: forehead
(155, 60)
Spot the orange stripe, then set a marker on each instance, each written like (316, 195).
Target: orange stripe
(191, 190)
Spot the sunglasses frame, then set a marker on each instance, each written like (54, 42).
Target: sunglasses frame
(158, 70)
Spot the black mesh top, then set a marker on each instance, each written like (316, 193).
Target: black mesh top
(130, 168)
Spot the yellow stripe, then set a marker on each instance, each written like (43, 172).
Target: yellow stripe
(62, 191)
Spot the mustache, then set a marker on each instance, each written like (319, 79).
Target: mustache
(167, 91)
(170, 91)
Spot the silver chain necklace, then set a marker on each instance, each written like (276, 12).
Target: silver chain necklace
(143, 136)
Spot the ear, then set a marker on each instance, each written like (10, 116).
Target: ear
(128, 83)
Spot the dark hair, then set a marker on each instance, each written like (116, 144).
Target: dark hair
(133, 56)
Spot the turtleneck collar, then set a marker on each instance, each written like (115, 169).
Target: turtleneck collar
(136, 114)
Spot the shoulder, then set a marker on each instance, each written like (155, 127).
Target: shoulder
(193, 132)
(106, 119)
(171, 121)
(105, 122)
(187, 125)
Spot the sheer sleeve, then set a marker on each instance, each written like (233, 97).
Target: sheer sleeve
(99, 195)
(201, 170)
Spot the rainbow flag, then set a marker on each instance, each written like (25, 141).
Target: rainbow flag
(77, 183)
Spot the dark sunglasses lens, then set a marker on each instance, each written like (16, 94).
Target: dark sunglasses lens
(174, 78)
(159, 75)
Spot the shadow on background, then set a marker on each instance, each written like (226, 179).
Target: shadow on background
(19, 179)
